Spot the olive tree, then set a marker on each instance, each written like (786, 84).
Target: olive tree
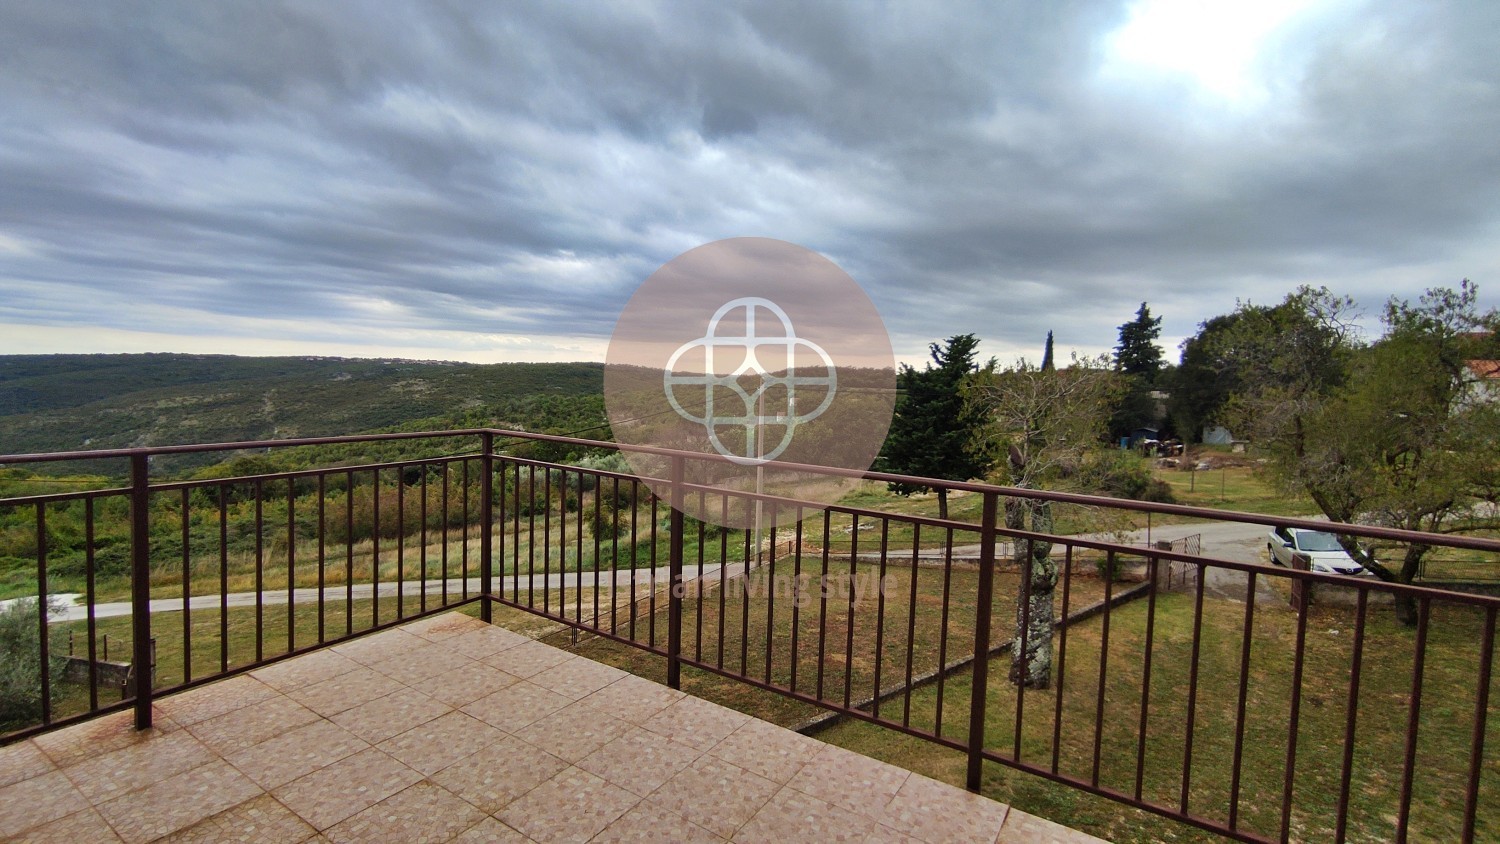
(1395, 433)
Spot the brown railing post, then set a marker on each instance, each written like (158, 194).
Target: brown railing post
(979, 693)
(486, 516)
(674, 594)
(140, 587)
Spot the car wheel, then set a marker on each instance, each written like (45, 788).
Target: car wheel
(1271, 552)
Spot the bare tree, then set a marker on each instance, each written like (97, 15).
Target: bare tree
(1049, 422)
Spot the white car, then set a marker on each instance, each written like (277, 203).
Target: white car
(1322, 549)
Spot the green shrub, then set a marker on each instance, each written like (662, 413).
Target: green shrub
(21, 663)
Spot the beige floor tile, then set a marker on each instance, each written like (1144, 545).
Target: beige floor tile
(768, 750)
(575, 805)
(528, 658)
(261, 820)
(715, 794)
(650, 824)
(444, 626)
(393, 714)
(345, 691)
(417, 667)
(490, 831)
(345, 788)
(1023, 828)
(86, 827)
(845, 778)
(498, 773)
(423, 813)
(296, 753)
(577, 678)
(214, 699)
(33, 802)
(573, 732)
(244, 728)
(938, 812)
(640, 761)
(101, 735)
(378, 646)
(462, 688)
(793, 816)
(436, 744)
(634, 699)
(305, 670)
(694, 721)
(107, 776)
(178, 802)
(23, 760)
(516, 705)
(485, 641)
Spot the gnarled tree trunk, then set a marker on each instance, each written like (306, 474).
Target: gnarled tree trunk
(1031, 651)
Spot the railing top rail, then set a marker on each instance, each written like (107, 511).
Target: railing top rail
(1182, 510)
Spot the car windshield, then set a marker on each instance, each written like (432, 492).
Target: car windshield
(1316, 540)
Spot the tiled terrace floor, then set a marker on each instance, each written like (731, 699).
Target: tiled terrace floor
(449, 729)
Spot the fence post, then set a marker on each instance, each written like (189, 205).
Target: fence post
(140, 587)
(486, 522)
(674, 595)
(978, 698)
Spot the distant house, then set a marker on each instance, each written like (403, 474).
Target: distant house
(1487, 378)
(1217, 435)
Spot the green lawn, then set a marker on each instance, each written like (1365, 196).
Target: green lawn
(1447, 713)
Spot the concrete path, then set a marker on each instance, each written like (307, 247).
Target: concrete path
(364, 591)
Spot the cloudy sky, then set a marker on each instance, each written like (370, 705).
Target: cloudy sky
(490, 182)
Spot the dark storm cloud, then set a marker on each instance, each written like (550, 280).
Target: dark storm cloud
(520, 169)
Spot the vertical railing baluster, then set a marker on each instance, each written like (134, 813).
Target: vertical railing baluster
(1292, 726)
(1062, 658)
(291, 564)
(1481, 712)
(1239, 712)
(89, 574)
(260, 571)
(1413, 718)
(140, 586)
(486, 514)
(1153, 564)
(1109, 584)
(1351, 716)
(187, 591)
(674, 561)
(322, 552)
(223, 577)
(42, 608)
(1192, 701)
(400, 541)
(979, 690)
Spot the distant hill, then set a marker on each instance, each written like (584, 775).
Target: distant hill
(81, 402)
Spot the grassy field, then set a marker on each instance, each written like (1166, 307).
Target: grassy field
(1446, 720)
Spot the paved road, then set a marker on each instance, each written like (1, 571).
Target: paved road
(1221, 540)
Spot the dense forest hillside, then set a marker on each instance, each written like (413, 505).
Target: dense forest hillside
(77, 402)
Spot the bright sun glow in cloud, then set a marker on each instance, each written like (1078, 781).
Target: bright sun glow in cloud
(1214, 44)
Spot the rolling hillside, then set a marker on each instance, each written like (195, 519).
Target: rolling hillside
(78, 402)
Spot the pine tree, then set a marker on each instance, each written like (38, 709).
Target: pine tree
(934, 431)
(1137, 352)
(1138, 358)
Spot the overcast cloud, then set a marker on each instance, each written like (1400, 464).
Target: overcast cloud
(492, 181)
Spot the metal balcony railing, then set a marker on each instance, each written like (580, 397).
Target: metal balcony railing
(1185, 684)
